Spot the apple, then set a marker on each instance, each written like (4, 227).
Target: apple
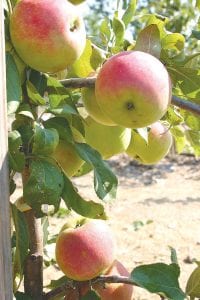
(85, 249)
(84, 169)
(76, 2)
(116, 291)
(107, 140)
(92, 107)
(159, 143)
(67, 157)
(133, 89)
(48, 35)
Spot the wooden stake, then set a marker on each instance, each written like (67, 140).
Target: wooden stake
(5, 242)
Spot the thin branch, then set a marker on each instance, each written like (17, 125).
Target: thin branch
(78, 82)
(96, 282)
(90, 82)
(186, 104)
(113, 279)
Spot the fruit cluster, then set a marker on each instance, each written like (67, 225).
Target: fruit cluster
(132, 89)
(85, 249)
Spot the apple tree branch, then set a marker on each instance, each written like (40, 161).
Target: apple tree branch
(90, 82)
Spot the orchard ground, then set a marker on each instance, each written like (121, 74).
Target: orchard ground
(156, 207)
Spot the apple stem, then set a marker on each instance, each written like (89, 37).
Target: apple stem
(90, 82)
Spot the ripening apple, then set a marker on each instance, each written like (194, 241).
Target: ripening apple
(48, 35)
(107, 140)
(133, 89)
(159, 143)
(116, 291)
(66, 155)
(92, 107)
(85, 249)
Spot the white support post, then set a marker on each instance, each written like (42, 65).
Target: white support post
(5, 242)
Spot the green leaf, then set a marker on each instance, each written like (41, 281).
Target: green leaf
(44, 186)
(179, 137)
(194, 139)
(86, 208)
(77, 122)
(174, 258)
(160, 22)
(16, 157)
(13, 85)
(129, 13)
(22, 242)
(195, 34)
(105, 30)
(22, 296)
(149, 40)
(82, 66)
(25, 110)
(64, 110)
(62, 126)
(91, 296)
(34, 95)
(39, 81)
(45, 140)
(56, 92)
(159, 278)
(173, 116)
(105, 182)
(187, 80)
(97, 57)
(175, 41)
(118, 29)
(193, 284)
(191, 61)
(192, 120)
(25, 127)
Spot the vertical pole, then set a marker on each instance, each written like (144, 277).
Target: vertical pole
(5, 243)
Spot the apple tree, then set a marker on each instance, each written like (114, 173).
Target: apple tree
(75, 98)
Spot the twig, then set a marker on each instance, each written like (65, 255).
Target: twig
(79, 82)
(90, 82)
(113, 279)
(101, 280)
